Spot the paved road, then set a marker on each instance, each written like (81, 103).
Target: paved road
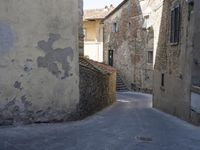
(129, 124)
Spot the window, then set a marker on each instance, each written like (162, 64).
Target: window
(163, 80)
(114, 27)
(150, 56)
(129, 25)
(175, 25)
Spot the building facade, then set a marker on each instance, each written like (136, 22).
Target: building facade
(93, 32)
(128, 45)
(176, 74)
(39, 68)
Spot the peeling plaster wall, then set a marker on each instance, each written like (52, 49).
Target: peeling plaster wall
(81, 34)
(39, 70)
(176, 63)
(195, 95)
(130, 44)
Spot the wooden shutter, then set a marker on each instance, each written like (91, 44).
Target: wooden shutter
(175, 25)
(172, 26)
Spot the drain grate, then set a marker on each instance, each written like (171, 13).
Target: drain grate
(143, 139)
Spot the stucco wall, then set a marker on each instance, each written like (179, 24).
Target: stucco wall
(130, 44)
(195, 96)
(39, 71)
(175, 62)
(81, 34)
(196, 50)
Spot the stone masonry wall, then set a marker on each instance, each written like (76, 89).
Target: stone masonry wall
(130, 44)
(97, 87)
(39, 71)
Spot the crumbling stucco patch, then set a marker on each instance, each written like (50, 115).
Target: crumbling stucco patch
(18, 85)
(28, 65)
(62, 56)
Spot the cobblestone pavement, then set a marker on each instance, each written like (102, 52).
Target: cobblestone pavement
(129, 124)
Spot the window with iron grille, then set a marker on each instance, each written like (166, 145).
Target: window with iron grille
(114, 27)
(175, 25)
(150, 56)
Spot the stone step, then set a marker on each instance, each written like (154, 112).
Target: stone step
(120, 86)
(120, 83)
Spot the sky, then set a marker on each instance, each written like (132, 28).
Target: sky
(92, 4)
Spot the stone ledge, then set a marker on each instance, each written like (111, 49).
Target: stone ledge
(195, 89)
(103, 68)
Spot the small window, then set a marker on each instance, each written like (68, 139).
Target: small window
(114, 28)
(163, 79)
(129, 25)
(150, 56)
(175, 25)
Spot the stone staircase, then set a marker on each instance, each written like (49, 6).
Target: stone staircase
(120, 86)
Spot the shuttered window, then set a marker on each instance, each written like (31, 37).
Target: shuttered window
(175, 24)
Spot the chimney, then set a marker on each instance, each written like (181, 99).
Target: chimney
(111, 6)
(106, 8)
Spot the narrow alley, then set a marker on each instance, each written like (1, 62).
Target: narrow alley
(130, 124)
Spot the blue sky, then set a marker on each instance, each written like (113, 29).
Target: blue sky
(92, 4)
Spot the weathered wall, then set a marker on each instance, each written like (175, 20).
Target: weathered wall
(175, 62)
(81, 34)
(39, 71)
(97, 87)
(195, 96)
(131, 44)
(196, 49)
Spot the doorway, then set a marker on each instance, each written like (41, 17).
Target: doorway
(110, 57)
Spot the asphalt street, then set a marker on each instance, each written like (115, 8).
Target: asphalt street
(129, 124)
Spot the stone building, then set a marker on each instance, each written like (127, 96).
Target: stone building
(39, 67)
(177, 67)
(128, 45)
(93, 32)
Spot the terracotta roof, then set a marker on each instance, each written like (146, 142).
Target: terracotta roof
(96, 65)
(91, 14)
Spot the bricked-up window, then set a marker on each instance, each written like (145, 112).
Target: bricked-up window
(175, 24)
(114, 27)
(150, 56)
